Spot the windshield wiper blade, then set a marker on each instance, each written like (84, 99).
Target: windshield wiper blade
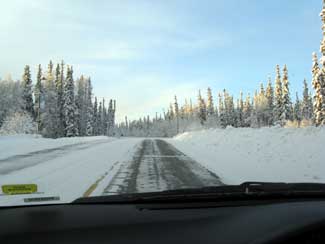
(246, 190)
(280, 187)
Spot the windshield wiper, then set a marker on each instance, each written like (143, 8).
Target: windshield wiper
(244, 191)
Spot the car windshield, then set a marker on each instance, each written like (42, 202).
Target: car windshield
(101, 98)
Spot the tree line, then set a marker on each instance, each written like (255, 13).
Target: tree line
(55, 105)
(270, 105)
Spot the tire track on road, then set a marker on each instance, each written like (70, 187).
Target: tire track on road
(158, 166)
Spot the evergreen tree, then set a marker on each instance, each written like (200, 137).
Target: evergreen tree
(297, 115)
(261, 107)
(80, 101)
(171, 112)
(278, 107)
(50, 110)
(222, 113)
(69, 106)
(286, 101)
(104, 118)
(229, 107)
(306, 103)
(96, 118)
(59, 94)
(202, 112)
(38, 93)
(240, 111)
(27, 93)
(210, 105)
(317, 87)
(90, 109)
(319, 79)
(270, 102)
(176, 114)
(247, 111)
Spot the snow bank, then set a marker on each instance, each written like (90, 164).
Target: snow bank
(21, 144)
(265, 154)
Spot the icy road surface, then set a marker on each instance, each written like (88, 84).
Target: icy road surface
(158, 166)
(102, 167)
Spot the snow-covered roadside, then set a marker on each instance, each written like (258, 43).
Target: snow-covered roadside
(266, 154)
(22, 144)
(70, 176)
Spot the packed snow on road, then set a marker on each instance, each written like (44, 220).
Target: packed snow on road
(70, 168)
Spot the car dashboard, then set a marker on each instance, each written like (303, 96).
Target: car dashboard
(301, 222)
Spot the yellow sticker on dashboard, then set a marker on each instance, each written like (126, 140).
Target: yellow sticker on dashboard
(19, 189)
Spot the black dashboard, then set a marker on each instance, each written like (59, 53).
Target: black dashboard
(301, 222)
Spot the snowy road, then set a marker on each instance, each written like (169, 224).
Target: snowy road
(102, 167)
(19, 162)
(157, 166)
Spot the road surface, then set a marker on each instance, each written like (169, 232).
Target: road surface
(23, 161)
(157, 166)
(103, 167)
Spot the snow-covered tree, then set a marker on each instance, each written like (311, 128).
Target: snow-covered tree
(27, 91)
(306, 105)
(270, 102)
(18, 123)
(38, 94)
(89, 109)
(261, 107)
(286, 101)
(10, 98)
(297, 111)
(210, 104)
(176, 107)
(319, 79)
(97, 117)
(69, 106)
(59, 85)
(278, 106)
(222, 112)
(247, 111)
(202, 111)
(50, 110)
(240, 111)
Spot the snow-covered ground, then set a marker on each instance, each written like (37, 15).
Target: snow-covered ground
(69, 176)
(74, 167)
(21, 144)
(266, 154)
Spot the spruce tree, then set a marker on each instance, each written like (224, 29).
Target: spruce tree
(297, 115)
(222, 113)
(59, 93)
(38, 97)
(202, 111)
(50, 111)
(90, 113)
(319, 79)
(240, 111)
(69, 106)
(278, 106)
(95, 118)
(80, 101)
(270, 102)
(210, 104)
(27, 92)
(286, 101)
(306, 104)
(176, 114)
(247, 111)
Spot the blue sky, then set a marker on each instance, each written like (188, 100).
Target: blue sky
(142, 52)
